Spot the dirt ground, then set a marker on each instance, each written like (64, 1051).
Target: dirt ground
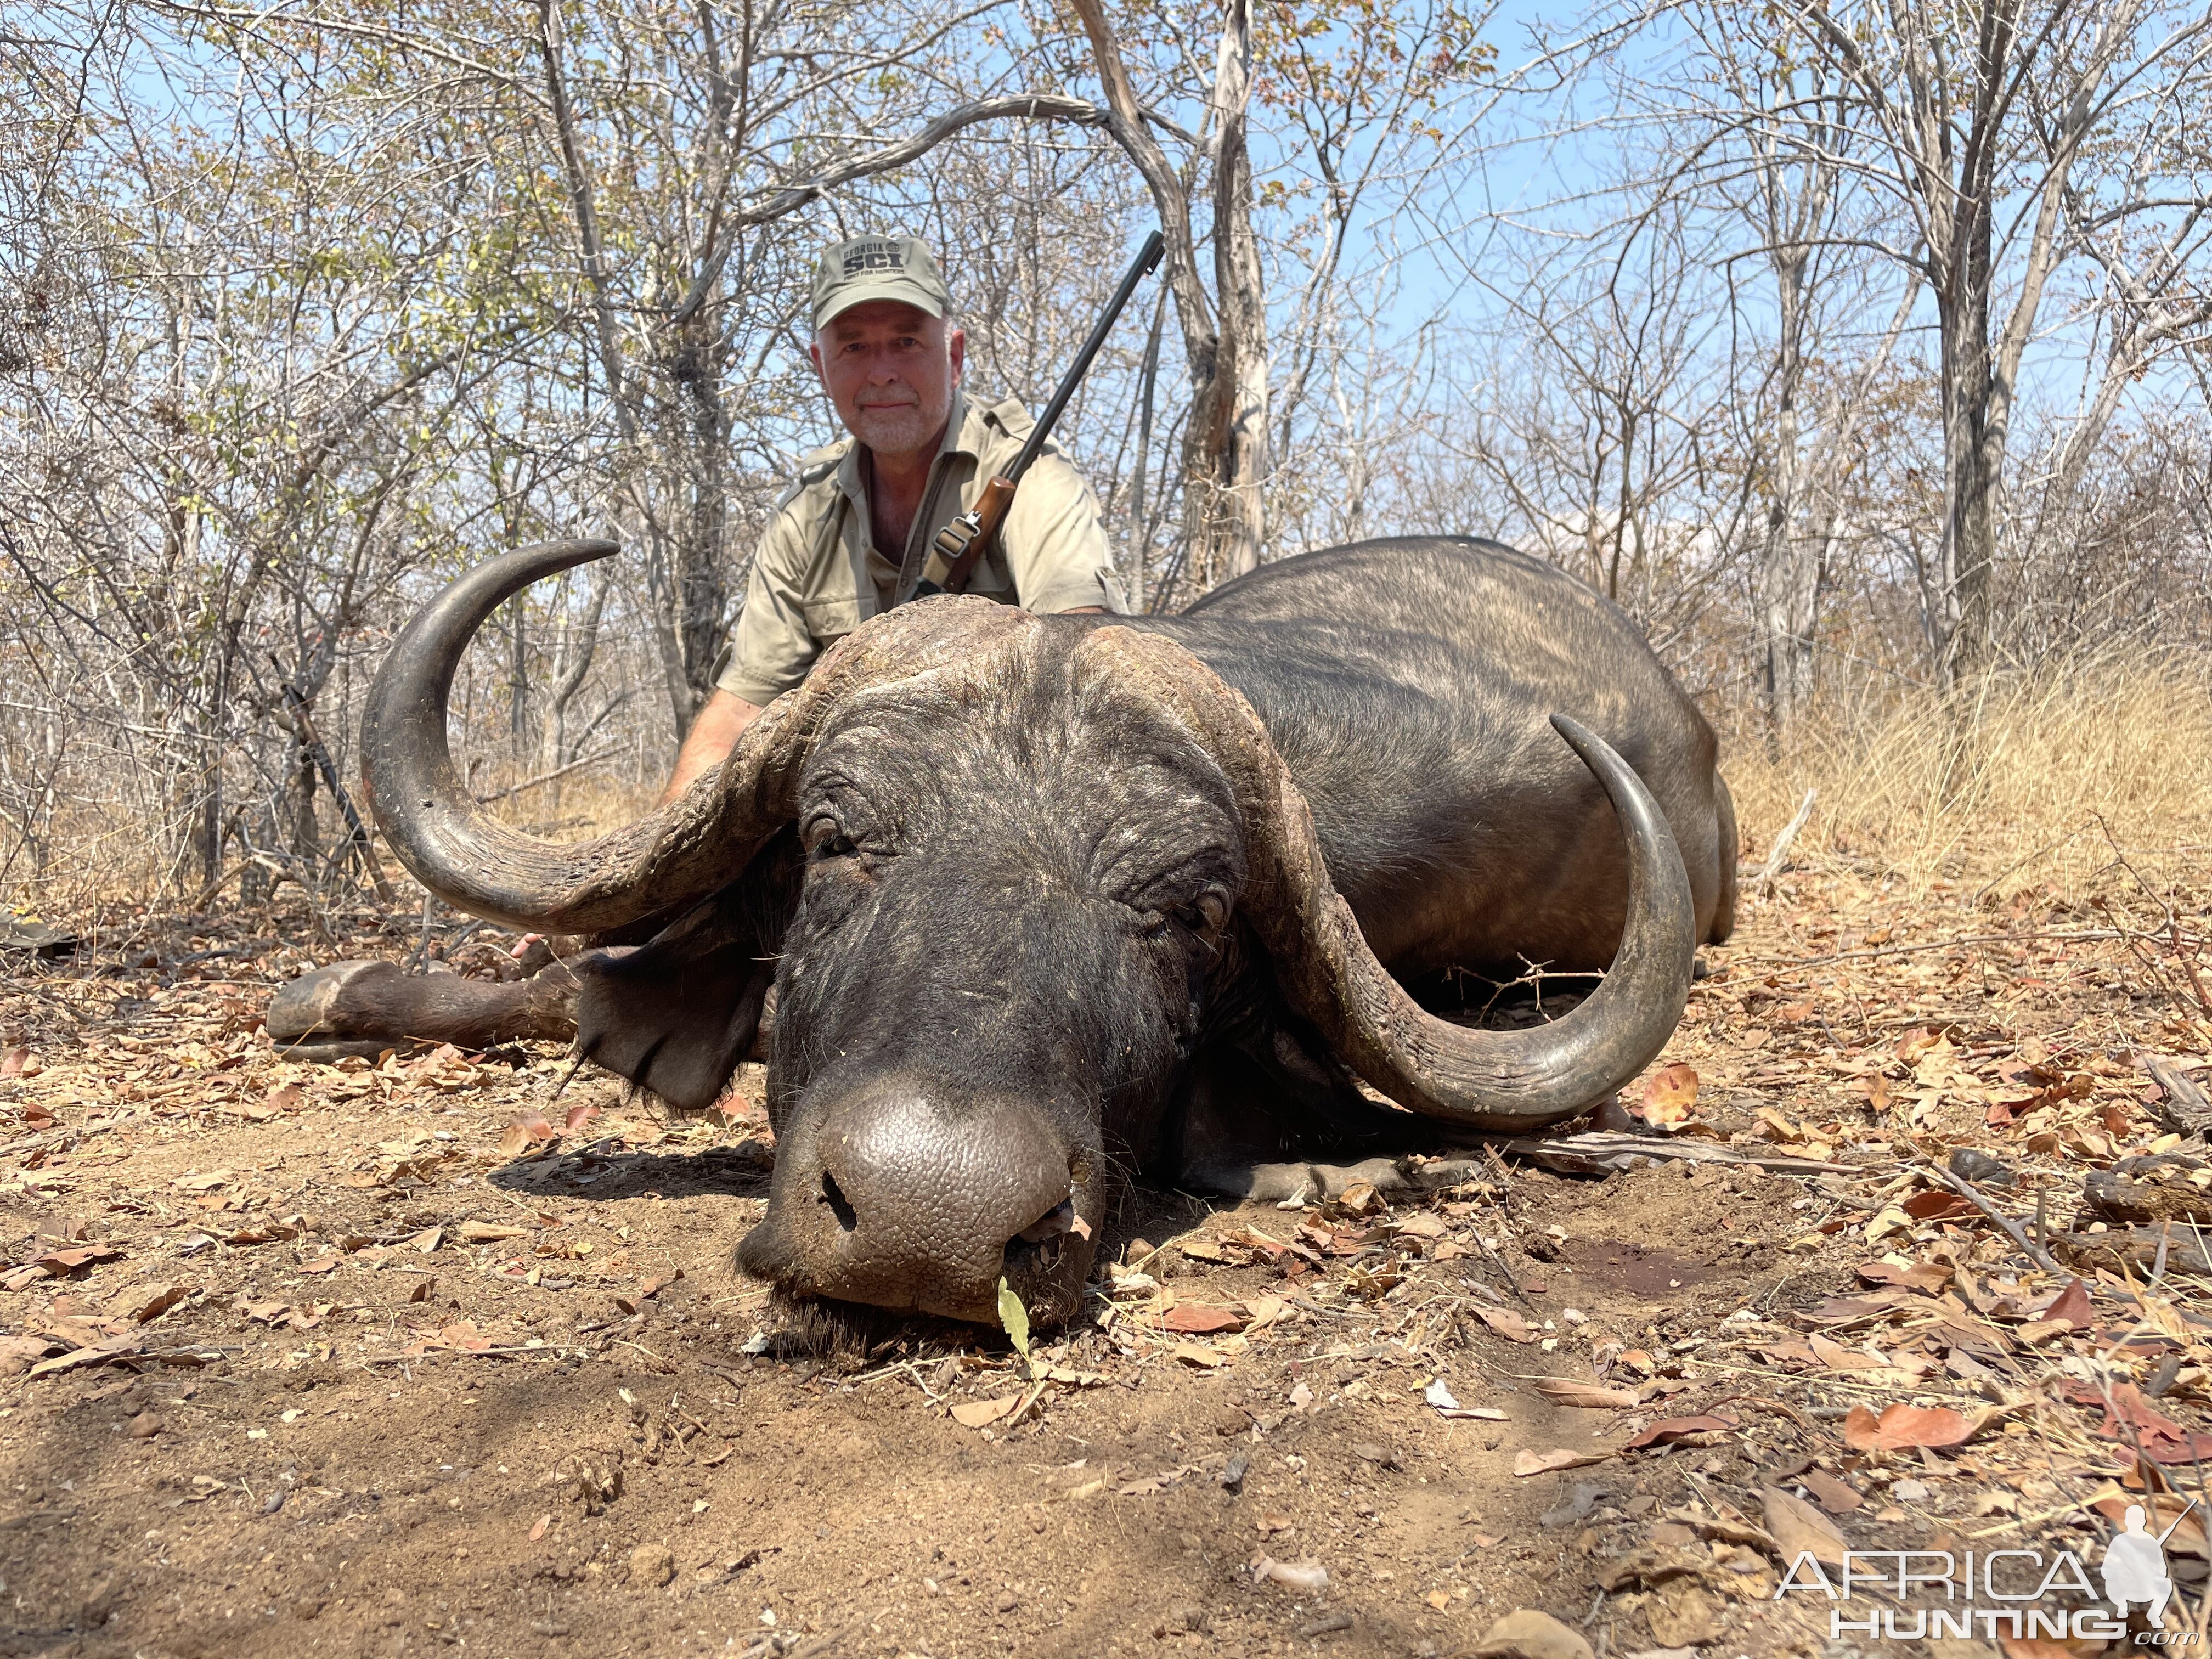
(367, 1359)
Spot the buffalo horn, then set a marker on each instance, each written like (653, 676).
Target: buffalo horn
(674, 855)
(1499, 1080)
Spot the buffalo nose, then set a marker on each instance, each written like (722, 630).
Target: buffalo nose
(928, 1203)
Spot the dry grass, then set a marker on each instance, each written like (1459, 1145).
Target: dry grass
(2017, 781)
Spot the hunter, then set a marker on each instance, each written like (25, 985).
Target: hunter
(851, 537)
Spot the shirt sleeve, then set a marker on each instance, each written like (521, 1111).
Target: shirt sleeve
(1054, 541)
(771, 647)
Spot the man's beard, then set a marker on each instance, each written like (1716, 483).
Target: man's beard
(899, 431)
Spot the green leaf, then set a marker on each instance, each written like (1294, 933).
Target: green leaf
(1015, 1317)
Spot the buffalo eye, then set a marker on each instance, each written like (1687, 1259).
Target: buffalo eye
(825, 837)
(1205, 914)
(1208, 912)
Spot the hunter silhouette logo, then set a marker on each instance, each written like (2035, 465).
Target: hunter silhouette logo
(2135, 1565)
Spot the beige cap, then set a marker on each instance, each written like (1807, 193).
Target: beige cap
(877, 268)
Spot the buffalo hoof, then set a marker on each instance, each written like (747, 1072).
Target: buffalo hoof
(307, 1020)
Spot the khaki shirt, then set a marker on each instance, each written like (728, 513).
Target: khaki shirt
(817, 574)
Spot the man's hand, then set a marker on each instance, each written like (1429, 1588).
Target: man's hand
(714, 733)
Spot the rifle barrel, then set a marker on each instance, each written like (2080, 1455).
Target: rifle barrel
(1147, 256)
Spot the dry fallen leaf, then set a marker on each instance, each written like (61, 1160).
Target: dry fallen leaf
(1667, 1095)
(1679, 1614)
(483, 1232)
(2072, 1307)
(1510, 1326)
(1261, 1311)
(1902, 1427)
(1831, 1494)
(1801, 1529)
(544, 1521)
(1525, 1633)
(1679, 1428)
(1532, 1461)
(525, 1131)
(151, 1301)
(1197, 1319)
(977, 1414)
(1587, 1396)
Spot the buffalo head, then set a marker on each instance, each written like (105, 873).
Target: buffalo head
(1032, 849)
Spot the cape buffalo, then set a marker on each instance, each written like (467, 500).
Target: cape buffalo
(1046, 899)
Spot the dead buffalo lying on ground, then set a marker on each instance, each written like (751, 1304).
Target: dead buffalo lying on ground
(1043, 899)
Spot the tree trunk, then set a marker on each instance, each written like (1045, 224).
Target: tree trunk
(1787, 589)
(300, 806)
(1228, 513)
(1224, 451)
(1973, 456)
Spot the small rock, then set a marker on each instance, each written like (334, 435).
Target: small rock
(1328, 1621)
(1305, 1576)
(1525, 1633)
(652, 1564)
(1577, 1507)
(1968, 1164)
(305, 1608)
(144, 1427)
(1610, 1116)
(1232, 1478)
(1372, 1452)
(1909, 1491)
(1007, 1602)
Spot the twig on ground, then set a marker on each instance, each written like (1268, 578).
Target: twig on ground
(2013, 1231)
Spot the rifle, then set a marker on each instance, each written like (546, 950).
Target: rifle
(953, 554)
(310, 746)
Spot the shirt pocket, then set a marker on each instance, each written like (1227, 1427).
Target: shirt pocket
(830, 620)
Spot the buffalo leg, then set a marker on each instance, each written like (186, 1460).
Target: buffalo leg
(367, 1007)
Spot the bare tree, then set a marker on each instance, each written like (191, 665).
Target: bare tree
(1988, 111)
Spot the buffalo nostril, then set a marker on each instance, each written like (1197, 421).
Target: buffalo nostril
(1037, 1246)
(1060, 1218)
(840, 1206)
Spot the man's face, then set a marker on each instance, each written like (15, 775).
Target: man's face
(890, 367)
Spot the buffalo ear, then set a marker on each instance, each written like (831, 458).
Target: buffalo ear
(673, 1022)
(679, 1013)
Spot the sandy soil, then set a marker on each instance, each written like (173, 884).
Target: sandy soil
(338, 1360)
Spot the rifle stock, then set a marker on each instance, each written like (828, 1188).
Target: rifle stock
(953, 555)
